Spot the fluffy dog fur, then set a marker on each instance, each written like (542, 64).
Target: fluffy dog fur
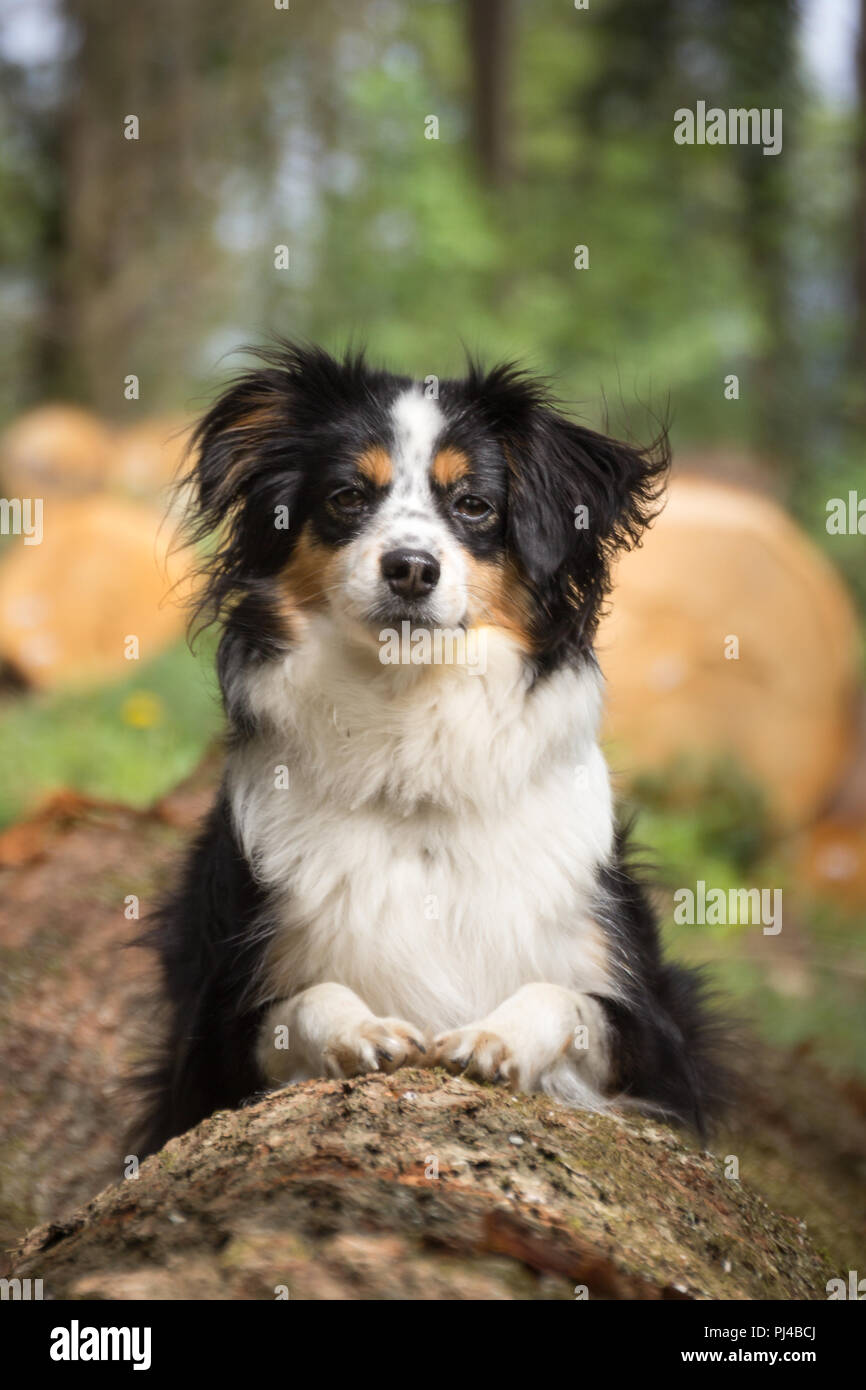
(415, 862)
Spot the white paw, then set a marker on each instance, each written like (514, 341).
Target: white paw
(374, 1044)
(539, 1033)
(477, 1052)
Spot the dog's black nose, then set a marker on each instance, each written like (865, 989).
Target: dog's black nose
(410, 573)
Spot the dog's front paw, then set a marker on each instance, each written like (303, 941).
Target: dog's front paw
(374, 1044)
(477, 1052)
(537, 1033)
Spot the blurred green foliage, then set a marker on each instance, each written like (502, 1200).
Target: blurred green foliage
(306, 128)
(734, 825)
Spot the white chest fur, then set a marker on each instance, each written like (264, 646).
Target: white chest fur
(434, 841)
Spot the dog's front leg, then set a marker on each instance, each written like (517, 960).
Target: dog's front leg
(328, 1031)
(543, 1037)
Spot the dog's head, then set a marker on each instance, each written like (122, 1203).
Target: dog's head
(464, 504)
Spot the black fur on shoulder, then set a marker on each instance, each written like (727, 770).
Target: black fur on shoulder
(673, 1050)
(203, 938)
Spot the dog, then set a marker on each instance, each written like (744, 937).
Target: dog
(415, 861)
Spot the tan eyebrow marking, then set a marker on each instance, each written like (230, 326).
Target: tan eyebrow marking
(449, 466)
(375, 464)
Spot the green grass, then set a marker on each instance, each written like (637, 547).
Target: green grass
(130, 741)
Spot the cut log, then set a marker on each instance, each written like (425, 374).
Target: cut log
(829, 860)
(421, 1186)
(54, 451)
(76, 882)
(730, 634)
(147, 458)
(103, 575)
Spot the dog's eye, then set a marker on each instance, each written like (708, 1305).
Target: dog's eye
(471, 507)
(348, 499)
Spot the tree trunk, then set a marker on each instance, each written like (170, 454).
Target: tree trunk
(859, 332)
(423, 1186)
(490, 29)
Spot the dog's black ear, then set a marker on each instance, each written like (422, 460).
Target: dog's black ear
(242, 438)
(577, 497)
(246, 481)
(241, 487)
(246, 444)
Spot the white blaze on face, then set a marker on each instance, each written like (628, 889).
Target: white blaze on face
(408, 519)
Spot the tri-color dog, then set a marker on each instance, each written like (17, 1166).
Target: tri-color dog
(415, 861)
